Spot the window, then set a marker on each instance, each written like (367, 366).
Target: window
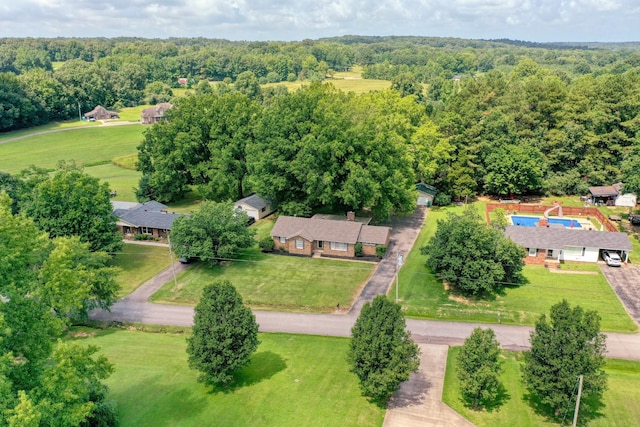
(583, 251)
(147, 230)
(533, 251)
(549, 253)
(263, 209)
(320, 244)
(338, 246)
(283, 240)
(299, 244)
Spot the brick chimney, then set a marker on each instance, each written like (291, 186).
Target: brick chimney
(351, 216)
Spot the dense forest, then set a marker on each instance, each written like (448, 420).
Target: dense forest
(469, 116)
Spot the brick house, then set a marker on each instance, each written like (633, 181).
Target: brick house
(308, 236)
(544, 244)
(154, 114)
(150, 218)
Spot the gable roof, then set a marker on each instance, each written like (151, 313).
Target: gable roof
(558, 238)
(157, 110)
(100, 111)
(426, 188)
(254, 201)
(603, 191)
(150, 214)
(315, 229)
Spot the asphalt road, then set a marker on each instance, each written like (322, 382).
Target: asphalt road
(136, 308)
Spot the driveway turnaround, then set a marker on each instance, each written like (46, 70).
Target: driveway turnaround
(419, 400)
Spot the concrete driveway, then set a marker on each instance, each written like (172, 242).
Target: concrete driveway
(625, 281)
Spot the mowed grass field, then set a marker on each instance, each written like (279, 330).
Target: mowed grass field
(89, 145)
(139, 263)
(273, 281)
(122, 180)
(424, 296)
(620, 400)
(292, 380)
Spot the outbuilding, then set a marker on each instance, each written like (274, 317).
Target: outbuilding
(254, 206)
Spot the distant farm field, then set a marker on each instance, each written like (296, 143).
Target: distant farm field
(121, 180)
(89, 145)
(356, 85)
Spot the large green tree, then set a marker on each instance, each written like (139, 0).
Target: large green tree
(472, 257)
(563, 347)
(382, 353)
(217, 230)
(225, 334)
(478, 368)
(203, 143)
(319, 147)
(41, 284)
(73, 203)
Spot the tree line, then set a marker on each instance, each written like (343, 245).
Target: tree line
(316, 147)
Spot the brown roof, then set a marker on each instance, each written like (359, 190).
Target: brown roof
(374, 234)
(314, 229)
(603, 191)
(101, 113)
(157, 110)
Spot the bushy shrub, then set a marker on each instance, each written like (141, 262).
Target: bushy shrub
(381, 250)
(143, 237)
(358, 249)
(266, 244)
(442, 199)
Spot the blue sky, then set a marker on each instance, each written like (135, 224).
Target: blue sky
(531, 20)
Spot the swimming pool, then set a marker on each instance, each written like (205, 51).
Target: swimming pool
(532, 221)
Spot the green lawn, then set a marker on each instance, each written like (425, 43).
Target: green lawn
(621, 400)
(90, 145)
(292, 380)
(139, 263)
(423, 295)
(120, 179)
(273, 281)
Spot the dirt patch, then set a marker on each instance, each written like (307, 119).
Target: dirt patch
(82, 334)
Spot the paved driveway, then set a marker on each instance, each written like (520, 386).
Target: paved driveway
(625, 281)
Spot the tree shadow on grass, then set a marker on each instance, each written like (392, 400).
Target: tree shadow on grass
(591, 408)
(490, 405)
(263, 366)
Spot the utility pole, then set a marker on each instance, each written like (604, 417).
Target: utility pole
(398, 265)
(575, 413)
(173, 267)
(79, 112)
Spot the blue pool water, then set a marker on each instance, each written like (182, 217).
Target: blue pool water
(532, 221)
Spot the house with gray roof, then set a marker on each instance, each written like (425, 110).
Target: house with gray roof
(155, 114)
(254, 206)
(309, 236)
(150, 218)
(101, 113)
(566, 244)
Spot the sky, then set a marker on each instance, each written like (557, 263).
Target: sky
(288, 20)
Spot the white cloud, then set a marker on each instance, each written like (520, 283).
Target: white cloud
(536, 20)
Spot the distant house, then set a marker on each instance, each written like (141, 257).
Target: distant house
(565, 244)
(101, 113)
(154, 114)
(182, 81)
(605, 194)
(150, 218)
(426, 194)
(254, 206)
(309, 236)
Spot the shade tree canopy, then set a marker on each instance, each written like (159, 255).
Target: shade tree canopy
(382, 353)
(473, 258)
(225, 334)
(216, 231)
(566, 344)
